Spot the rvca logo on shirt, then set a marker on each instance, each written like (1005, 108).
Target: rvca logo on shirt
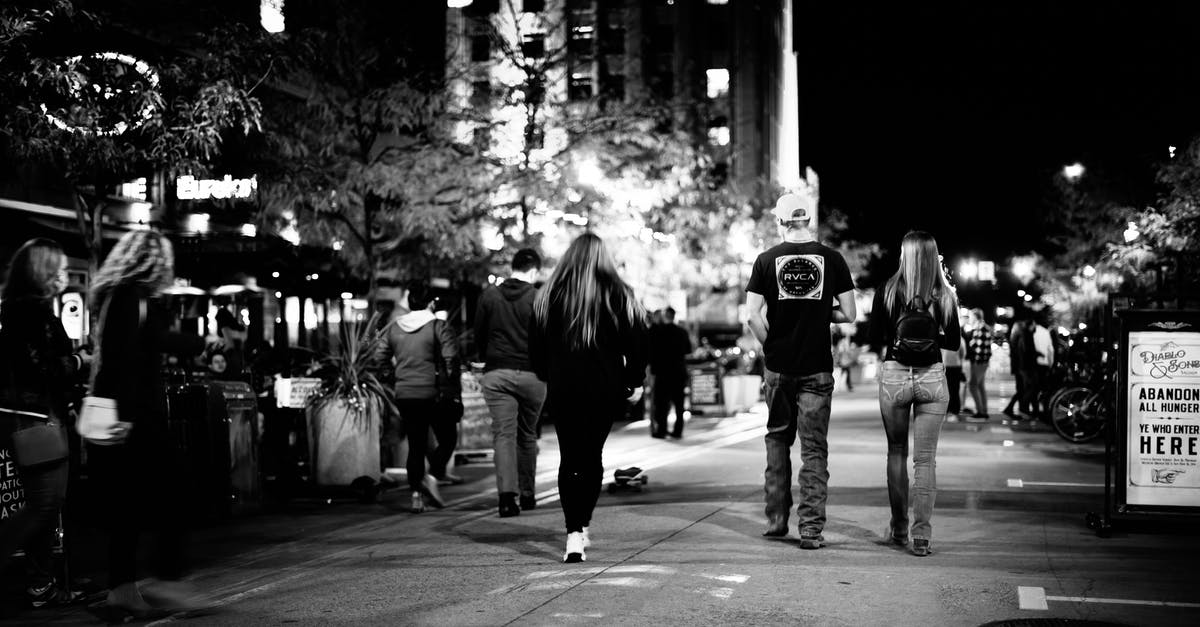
(800, 276)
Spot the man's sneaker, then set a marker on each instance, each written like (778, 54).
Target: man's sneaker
(52, 596)
(977, 418)
(418, 502)
(431, 491)
(575, 548)
(587, 539)
(892, 538)
(920, 547)
(528, 502)
(811, 540)
(508, 505)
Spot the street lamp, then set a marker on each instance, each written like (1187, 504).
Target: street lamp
(1073, 171)
(1132, 233)
(968, 270)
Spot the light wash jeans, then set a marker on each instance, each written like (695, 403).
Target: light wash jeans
(797, 404)
(919, 394)
(514, 399)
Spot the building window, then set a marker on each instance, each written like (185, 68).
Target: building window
(481, 48)
(718, 135)
(481, 139)
(535, 90)
(481, 94)
(534, 46)
(662, 85)
(718, 82)
(580, 87)
(533, 6)
(614, 87)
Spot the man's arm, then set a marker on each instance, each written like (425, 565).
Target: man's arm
(758, 316)
(847, 310)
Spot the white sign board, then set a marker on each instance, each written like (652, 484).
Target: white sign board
(1164, 419)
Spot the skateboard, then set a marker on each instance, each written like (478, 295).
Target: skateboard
(632, 479)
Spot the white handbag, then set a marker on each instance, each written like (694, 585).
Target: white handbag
(98, 415)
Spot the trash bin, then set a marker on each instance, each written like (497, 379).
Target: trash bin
(235, 404)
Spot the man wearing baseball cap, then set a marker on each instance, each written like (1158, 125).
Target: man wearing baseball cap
(796, 290)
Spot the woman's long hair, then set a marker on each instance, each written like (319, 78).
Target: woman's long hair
(585, 288)
(141, 258)
(33, 270)
(920, 276)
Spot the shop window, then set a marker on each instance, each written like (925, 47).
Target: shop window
(534, 46)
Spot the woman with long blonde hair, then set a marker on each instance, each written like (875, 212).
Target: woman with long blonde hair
(588, 342)
(132, 464)
(915, 315)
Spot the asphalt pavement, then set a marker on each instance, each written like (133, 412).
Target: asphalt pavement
(1010, 544)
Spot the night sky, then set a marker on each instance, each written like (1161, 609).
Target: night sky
(954, 116)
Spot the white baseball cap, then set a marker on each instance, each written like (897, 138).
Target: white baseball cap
(791, 208)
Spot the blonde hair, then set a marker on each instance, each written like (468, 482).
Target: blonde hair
(141, 258)
(920, 276)
(585, 287)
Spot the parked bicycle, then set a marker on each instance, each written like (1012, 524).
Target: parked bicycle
(1080, 412)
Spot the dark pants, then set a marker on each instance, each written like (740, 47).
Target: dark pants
(137, 484)
(668, 391)
(582, 431)
(954, 381)
(32, 527)
(797, 404)
(418, 415)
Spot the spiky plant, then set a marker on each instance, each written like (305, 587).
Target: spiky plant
(351, 372)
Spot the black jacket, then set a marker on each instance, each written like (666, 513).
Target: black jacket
(502, 325)
(38, 370)
(134, 334)
(669, 348)
(604, 375)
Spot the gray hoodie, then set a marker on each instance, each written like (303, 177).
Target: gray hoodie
(410, 346)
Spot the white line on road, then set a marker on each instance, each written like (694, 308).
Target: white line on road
(1020, 483)
(1034, 598)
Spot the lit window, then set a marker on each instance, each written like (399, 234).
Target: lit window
(718, 1)
(718, 135)
(718, 82)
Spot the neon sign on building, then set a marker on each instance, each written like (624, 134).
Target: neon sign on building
(191, 188)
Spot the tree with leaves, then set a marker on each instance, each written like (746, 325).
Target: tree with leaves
(99, 117)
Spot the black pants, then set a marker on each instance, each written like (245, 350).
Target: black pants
(32, 527)
(668, 391)
(954, 380)
(418, 415)
(582, 432)
(137, 487)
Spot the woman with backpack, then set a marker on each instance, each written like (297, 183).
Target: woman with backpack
(915, 315)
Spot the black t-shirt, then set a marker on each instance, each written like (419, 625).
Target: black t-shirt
(800, 283)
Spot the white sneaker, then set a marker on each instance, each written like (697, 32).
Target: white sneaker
(587, 539)
(575, 548)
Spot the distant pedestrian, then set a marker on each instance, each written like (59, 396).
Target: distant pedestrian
(37, 374)
(669, 347)
(914, 317)
(135, 468)
(979, 354)
(795, 288)
(513, 393)
(588, 342)
(953, 359)
(231, 341)
(1043, 357)
(1022, 358)
(425, 354)
(846, 352)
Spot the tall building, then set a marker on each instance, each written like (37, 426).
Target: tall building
(728, 66)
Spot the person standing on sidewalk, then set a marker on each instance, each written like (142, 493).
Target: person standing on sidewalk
(416, 342)
(669, 347)
(979, 354)
(1043, 348)
(795, 288)
(513, 393)
(37, 372)
(588, 342)
(913, 319)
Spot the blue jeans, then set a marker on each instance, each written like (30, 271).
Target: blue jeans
(514, 399)
(797, 404)
(919, 394)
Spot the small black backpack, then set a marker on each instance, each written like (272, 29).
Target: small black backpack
(916, 336)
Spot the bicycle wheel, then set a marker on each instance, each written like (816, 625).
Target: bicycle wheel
(1078, 414)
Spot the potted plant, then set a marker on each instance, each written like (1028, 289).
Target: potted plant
(345, 417)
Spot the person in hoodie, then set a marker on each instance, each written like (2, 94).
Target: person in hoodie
(415, 341)
(588, 342)
(513, 392)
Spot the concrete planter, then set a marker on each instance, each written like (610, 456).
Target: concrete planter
(343, 445)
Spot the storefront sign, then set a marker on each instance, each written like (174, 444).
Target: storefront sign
(1163, 417)
(704, 384)
(192, 188)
